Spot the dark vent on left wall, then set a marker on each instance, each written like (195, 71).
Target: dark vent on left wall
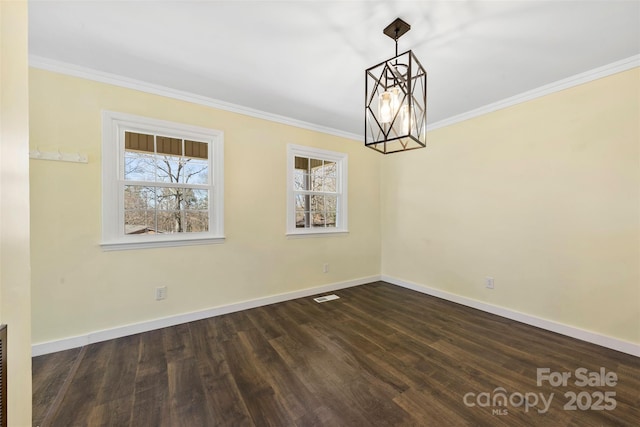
(3, 375)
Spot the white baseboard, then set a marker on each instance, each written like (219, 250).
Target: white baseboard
(125, 330)
(570, 331)
(149, 325)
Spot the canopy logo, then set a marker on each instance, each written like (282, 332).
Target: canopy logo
(599, 400)
(499, 400)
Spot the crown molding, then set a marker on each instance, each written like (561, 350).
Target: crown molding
(575, 80)
(117, 80)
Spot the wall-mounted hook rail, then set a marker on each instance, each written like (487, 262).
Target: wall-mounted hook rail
(59, 156)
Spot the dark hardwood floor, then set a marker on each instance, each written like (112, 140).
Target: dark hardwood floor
(380, 355)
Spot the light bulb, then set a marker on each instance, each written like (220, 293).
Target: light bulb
(389, 102)
(384, 108)
(405, 119)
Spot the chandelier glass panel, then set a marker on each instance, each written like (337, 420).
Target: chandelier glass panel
(396, 100)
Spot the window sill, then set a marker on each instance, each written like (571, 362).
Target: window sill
(315, 233)
(123, 245)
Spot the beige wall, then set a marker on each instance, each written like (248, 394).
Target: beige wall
(78, 288)
(542, 196)
(14, 208)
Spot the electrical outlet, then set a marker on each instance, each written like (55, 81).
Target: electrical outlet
(325, 268)
(488, 282)
(161, 293)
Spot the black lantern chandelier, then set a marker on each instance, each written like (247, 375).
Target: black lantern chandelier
(396, 100)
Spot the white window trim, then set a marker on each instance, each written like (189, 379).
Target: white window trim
(341, 160)
(113, 126)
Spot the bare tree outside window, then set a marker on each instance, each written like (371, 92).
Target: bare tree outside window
(164, 175)
(315, 182)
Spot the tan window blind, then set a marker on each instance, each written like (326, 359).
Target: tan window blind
(165, 145)
(196, 149)
(171, 146)
(138, 142)
(303, 163)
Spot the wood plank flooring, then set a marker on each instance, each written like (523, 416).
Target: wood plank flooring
(380, 355)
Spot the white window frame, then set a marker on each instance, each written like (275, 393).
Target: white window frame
(114, 125)
(341, 160)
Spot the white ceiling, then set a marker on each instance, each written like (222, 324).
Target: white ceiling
(306, 59)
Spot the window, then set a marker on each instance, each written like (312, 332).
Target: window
(317, 191)
(162, 183)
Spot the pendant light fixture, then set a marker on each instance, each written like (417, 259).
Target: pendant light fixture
(396, 100)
